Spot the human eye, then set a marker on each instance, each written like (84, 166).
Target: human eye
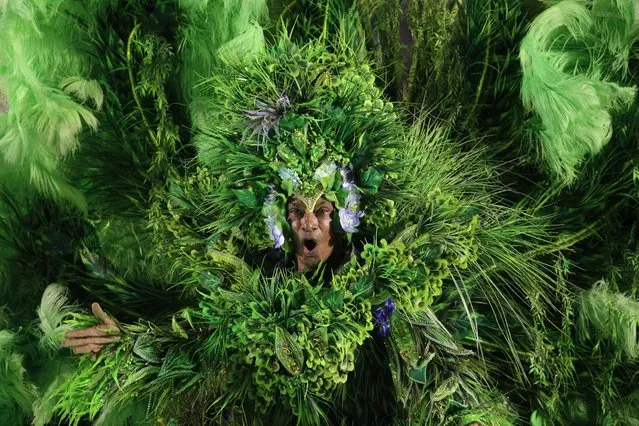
(295, 212)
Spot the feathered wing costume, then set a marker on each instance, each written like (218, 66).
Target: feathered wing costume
(149, 149)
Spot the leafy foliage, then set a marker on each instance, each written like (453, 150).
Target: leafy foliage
(498, 312)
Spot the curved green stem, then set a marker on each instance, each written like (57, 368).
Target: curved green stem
(480, 87)
(136, 97)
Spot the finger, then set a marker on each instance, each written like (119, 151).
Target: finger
(86, 332)
(86, 349)
(102, 316)
(90, 341)
(110, 330)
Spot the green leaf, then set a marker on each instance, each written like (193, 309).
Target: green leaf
(403, 340)
(246, 197)
(177, 328)
(327, 182)
(332, 197)
(291, 121)
(143, 347)
(140, 375)
(419, 373)
(446, 389)
(337, 181)
(287, 185)
(537, 419)
(435, 331)
(371, 180)
(288, 352)
(363, 287)
(334, 300)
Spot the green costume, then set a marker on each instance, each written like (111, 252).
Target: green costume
(148, 153)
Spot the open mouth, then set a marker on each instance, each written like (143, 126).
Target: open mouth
(309, 245)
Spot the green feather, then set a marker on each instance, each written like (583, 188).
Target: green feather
(569, 84)
(604, 314)
(52, 311)
(16, 393)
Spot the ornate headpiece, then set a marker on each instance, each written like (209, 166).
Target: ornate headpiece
(296, 122)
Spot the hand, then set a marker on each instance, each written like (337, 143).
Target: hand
(92, 340)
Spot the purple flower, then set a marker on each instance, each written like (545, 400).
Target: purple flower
(389, 306)
(352, 200)
(347, 178)
(349, 219)
(382, 316)
(275, 231)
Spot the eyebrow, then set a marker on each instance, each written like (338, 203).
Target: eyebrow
(323, 203)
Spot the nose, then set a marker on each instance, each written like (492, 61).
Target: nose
(309, 222)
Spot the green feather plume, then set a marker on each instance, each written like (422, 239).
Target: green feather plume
(50, 95)
(52, 311)
(569, 58)
(214, 29)
(605, 314)
(16, 394)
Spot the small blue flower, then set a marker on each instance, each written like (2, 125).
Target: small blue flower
(389, 306)
(385, 330)
(382, 316)
(275, 231)
(349, 219)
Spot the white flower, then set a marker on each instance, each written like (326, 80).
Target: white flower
(324, 171)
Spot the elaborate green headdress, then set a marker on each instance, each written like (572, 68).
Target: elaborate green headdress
(297, 121)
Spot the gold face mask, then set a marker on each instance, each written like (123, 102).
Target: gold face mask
(310, 220)
(310, 201)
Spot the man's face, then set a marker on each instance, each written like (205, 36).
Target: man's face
(312, 234)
